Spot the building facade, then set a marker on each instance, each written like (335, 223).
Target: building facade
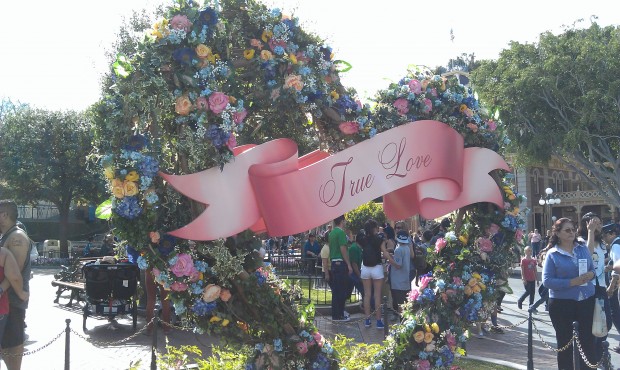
(576, 195)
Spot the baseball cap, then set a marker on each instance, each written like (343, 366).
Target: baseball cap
(402, 237)
(610, 228)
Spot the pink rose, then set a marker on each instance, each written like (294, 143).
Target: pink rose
(473, 127)
(232, 142)
(485, 245)
(434, 91)
(440, 244)
(225, 295)
(451, 340)
(239, 116)
(218, 102)
(202, 104)
(156, 272)
(178, 286)
(413, 295)
(519, 234)
(211, 292)
(194, 276)
(319, 339)
(183, 266)
(415, 86)
(349, 127)
(424, 365)
(180, 22)
(428, 105)
(293, 82)
(491, 125)
(402, 106)
(273, 43)
(457, 280)
(302, 347)
(424, 282)
(492, 230)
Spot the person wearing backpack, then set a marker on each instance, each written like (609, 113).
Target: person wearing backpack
(372, 269)
(420, 251)
(400, 280)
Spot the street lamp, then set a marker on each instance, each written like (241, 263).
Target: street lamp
(548, 200)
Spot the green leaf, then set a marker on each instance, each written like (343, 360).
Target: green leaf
(104, 210)
(122, 67)
(347, 66)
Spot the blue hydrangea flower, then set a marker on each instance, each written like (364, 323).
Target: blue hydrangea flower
(184, 56)
(208, 17)
(151, 198)
(179, 307)
(196, 288)
(142, 264)
(173, 260)
(260, 278)
(201, 308)
(128, 208)
(148, 167)
(201, 265)
(278, 50)
(277, 345)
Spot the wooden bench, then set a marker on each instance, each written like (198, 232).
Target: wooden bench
(76, 288)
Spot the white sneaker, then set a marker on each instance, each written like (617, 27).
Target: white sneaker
(346, 314)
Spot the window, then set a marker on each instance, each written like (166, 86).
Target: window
(536, 182)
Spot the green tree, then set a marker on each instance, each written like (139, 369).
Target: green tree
(43, 157)
(561, 97)
(357, 217)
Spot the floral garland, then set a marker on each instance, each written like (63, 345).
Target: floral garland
(180, 102)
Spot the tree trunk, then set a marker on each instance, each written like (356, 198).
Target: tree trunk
(63, 228)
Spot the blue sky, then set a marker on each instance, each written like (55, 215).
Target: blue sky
(53, 52)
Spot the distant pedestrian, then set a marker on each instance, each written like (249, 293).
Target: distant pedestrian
(529, 276)
(310, 254)
(355, 256)
(535, 239)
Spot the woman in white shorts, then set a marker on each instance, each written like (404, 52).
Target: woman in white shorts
(372, 275)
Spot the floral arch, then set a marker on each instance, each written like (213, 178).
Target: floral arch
(207, 78)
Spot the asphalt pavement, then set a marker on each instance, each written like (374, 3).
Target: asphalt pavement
(116, 346)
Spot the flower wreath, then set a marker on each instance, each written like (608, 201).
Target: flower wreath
(179, 101)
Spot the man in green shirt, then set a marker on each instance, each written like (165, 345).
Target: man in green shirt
(340, 268)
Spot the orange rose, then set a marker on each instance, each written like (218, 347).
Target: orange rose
(130, 188)
(428, 337)
(293, 82)
(418, 336)
(211, 292)
(183, 105)
(225, 295)
(203, 51)
(467, 290)
(476, 289)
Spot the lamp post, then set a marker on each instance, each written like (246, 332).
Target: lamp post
(547, 201)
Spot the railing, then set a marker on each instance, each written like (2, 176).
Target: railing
(38, 212)
(580, 195)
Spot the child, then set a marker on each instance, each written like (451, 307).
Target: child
(400, 282)
(529, 275)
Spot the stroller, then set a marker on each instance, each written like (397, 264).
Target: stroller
(110, 290)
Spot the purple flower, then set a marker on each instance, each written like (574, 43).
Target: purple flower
(166, 244)
(184, 56)
(208, 17)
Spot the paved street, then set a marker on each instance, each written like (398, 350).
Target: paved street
(46, 320)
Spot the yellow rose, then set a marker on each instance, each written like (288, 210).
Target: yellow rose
(428, 337)
(334, 95)
(183, 105)
(482, 286)
(467, 290)
(266, 55)
(109, 173)
(418, 336)
(248, 54)
(476, 289)
(516, 211)
(463, 239)
(472, 282)
(476, 275)
(293, 82)
(435, 327)
(225, 322)
(427, 328)
(512, 197)
(462, 108)
(130, 188)
(266, 35)
(132, 176)
(215, 319)
(203, 51)
(118, 192)
(160, 29)
(292, 58)
(117, 182)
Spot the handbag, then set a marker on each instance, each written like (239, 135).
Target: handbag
(599, 320)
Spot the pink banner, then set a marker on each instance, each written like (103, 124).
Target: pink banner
(419, 168)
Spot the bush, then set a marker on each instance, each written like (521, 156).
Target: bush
(357, 217)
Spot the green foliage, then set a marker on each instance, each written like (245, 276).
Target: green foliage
(355, 355)
(176, 358)
(560, 97)
(225, 359)
(357, 217)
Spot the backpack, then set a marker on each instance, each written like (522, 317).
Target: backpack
(419, 260)
(371, 251)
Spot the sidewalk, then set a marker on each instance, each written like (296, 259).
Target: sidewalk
(46, 320)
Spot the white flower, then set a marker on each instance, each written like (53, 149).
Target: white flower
(450, 236)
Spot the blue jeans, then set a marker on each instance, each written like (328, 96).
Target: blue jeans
(543, 297)
(535, 248)
(339, 276)
(355, 282)
(614, 306)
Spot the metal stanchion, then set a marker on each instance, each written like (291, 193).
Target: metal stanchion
(385, 317)
(607, 359)
(530, 340)
(576, 358)
(67, 345)
(154, 344)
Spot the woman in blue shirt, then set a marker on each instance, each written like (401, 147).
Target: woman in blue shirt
(568, 273)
